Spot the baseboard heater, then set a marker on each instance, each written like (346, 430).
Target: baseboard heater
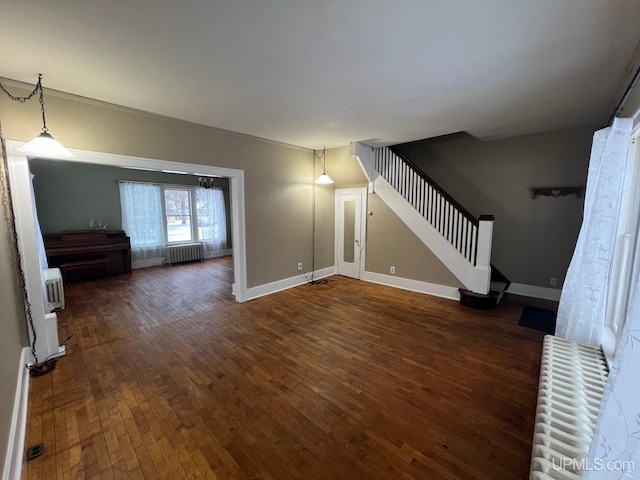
(55, 288)
(184, 252)
(572, 380)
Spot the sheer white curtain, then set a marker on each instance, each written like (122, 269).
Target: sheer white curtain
(616, 443)
(583, 303)
(212, 221)
(141, 206)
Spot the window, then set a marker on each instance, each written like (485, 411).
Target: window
(177, 207)
(156, 215)
(625, 262)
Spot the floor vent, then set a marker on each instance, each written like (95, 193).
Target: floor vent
(35, 451)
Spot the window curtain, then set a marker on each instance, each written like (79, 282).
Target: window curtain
(42, 254)
(141, 206)
(616, 442)
(212, 221)
(583, 302)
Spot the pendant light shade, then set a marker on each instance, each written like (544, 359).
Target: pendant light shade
(44, 145)
(323, 179)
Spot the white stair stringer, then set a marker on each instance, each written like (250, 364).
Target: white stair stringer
(474, 278)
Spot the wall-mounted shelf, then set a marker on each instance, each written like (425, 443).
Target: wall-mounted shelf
(557, 191)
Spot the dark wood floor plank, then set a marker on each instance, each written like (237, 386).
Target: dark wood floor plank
(167, 377)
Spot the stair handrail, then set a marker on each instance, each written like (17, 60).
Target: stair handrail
(466, 213)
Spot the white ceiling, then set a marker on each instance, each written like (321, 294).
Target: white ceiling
(320, 73)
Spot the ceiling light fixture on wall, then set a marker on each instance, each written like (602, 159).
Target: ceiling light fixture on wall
(323, 179)
(44, 145)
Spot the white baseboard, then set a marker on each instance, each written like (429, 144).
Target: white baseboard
(535, 291)
(17, 432)
(442, 291)
(284, 284)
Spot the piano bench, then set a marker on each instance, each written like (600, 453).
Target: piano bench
(85, 265)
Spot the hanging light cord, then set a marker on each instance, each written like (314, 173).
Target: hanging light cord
(14, 231)
(313, 224)
(7, 199)
(320, 156)
(316, 156)
(36, 89)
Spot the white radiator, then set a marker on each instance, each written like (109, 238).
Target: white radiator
(184, 252)
(572, 379)
(55, 288)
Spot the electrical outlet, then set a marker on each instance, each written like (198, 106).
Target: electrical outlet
(392, 270)
(299, 266)
(553, 281)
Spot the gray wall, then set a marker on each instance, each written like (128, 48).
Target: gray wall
(69, 194)
(533, 239)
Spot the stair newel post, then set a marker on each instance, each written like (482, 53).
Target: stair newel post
(485, 237)
(483, 249)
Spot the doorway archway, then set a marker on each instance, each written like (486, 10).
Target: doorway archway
(45, 325)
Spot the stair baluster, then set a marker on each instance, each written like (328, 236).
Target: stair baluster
(444, 213)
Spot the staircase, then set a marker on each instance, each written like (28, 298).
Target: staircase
(459, 239)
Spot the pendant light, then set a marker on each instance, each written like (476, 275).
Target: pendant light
(44, 145)
(323, 179)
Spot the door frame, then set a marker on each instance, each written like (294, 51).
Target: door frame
(362, 191)
(45, 325)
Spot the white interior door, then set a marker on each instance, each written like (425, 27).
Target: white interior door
(350, 228)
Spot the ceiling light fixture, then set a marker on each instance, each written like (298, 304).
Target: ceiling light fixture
(44, 145)
(323, 179)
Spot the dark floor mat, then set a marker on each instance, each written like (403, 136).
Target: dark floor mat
(538, 318)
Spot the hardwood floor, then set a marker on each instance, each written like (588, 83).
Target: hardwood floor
(167, 377)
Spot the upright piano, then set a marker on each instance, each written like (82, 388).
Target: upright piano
(89, 246)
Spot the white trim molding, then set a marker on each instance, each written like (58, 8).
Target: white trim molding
(442, 291)
(535, 291)
(18, 429)
(45, 326)
(18, 167)
(286, 283)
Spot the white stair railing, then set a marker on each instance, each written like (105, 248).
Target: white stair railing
(446, 215)
(468, 236)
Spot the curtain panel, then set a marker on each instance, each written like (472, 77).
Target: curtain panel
(614, 453)
(583, 302)
(615, 449)
(141, 206)
(212, 221)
